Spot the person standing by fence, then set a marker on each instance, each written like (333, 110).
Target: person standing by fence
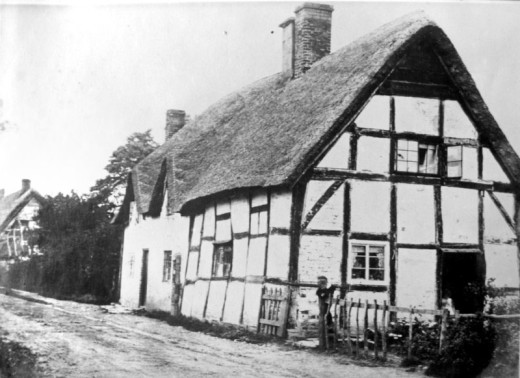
(324, 294)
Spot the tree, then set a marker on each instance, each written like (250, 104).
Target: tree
(111, 188)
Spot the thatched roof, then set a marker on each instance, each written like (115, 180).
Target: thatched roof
(270, 133)
(12, 204)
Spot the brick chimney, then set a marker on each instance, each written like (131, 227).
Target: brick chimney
(26, 185)
(306, 38)
(175, 120)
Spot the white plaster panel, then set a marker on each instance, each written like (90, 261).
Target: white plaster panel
(200, 293)
(217, 292)
(418, 115)
(234, 302)
(416, 281)
(491, 169)
(415, 214)
(376, 114)
(370, 206)
(469, 163)
(209, 221)
(459, 215)
(240, 213)
(239, 257)
(259, 198)
(223, 207)
(496, 228)
(193, 261)
(456, 123)
(206, 259)
(256, 256)
(330, 216)
(187, 299)
(320, 256)
(252, 304)
(280, 210)
(369, 296)
(373, 154)
(502, 264)
(197, 229)
(223, 230)
(278, 256)
(338, 155)
(315, 189)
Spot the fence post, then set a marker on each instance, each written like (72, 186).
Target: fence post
(410, 333)
(365, 330)
(357, 327)
(383, 331)
(349, 342)
(376, 355)
(444, 322)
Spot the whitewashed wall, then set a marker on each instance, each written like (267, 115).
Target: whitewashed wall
(257, 253)
(416, 279)
(164, 233)
(415, 214)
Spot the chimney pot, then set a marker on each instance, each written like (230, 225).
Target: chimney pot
(175, 120)
(26, 185)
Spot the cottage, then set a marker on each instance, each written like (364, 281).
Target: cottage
(17, 212)
(378, 166)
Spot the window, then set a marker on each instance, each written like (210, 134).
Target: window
(368, 263)
(222, 259)
(259, 220)
(167, 266)
(413, 156)
(454, 161)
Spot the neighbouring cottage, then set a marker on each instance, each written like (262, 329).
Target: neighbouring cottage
(17, 212)
(378, 166)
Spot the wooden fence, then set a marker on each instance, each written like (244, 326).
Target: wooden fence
(349, 325)
(273, 311)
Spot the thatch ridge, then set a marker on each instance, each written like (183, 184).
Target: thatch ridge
(269, 133)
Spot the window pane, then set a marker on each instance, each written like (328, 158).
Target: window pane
(402, 166)
(358, 273)
(376, 274)
(454, 153)
(454, 169)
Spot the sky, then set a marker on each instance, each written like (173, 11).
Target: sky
(77, 80)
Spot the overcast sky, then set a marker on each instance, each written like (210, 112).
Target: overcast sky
(75, 81)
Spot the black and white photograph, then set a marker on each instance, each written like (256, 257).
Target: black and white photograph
(259, 189)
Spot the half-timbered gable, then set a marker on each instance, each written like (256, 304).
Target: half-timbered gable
(378, 166)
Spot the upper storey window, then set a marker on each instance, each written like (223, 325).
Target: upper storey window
(415, 157)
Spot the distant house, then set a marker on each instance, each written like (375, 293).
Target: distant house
(378, 166)
(17, 212)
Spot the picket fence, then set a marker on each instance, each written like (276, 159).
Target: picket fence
(346, 328)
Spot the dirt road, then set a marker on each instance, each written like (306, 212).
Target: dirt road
(78, 340)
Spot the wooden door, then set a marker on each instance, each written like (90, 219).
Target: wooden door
(144, 279)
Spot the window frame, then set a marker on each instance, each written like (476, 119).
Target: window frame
(167, 269)
(367, 244)
(461, 161)
(221, 256)
(427, 144)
